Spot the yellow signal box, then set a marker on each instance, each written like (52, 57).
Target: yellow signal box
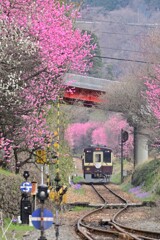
(52, 195)
(59, 197)
(56, 145)
(41, 156)
(55, 133)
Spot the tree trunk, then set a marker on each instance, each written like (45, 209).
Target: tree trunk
(17, 163)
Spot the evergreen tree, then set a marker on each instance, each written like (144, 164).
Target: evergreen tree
(95, 71)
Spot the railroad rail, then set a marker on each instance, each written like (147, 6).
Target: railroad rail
(91, 226)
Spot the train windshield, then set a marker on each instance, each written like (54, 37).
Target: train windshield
(88, 157)
(98, 157)
(107, 156)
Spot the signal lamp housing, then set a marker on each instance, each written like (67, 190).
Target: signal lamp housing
(42, 193)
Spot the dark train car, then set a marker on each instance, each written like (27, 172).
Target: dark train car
(97, 163)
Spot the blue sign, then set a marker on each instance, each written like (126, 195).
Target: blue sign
(42, 220)
(26, 187)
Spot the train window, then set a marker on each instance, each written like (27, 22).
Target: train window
(88, 157)
(107, 156)
(97, 157)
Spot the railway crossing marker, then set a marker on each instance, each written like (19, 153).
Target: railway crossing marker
(42, 218)
(41, 156)
(26, 187)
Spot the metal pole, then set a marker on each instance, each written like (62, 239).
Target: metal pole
(42, 227)
(42, 169)
(58, 136)
(135, 146)
(121, 156)
(57, 177)
(34, 203)
(42, 237)
(57, 223)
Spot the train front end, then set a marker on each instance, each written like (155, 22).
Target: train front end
(97, 164)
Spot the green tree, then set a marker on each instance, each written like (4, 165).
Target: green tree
(95, 71)
(66, 164)
(153, 3)
(109, 70)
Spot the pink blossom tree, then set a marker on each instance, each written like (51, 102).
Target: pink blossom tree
(60, 48)
(78, 131)
(102, 133)
(153, 93)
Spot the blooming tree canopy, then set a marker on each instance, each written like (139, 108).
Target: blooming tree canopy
(153, 93)
(153, 97)
(52, 46)
(102, 133)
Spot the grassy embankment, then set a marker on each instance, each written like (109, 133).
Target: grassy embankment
(14, 230)
(143, 183)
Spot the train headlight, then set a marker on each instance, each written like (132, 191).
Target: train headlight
(87, 168)
(98, 165)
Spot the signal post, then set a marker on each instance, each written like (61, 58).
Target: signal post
(124, 138)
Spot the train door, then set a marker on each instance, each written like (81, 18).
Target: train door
(97, 159)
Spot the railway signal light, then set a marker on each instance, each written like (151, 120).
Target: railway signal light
(26, 175)
(42, 193)
(57, 178)
(124, 136)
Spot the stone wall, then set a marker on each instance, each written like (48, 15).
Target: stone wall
(10, 194)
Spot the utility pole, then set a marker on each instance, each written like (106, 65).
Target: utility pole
(121, 157)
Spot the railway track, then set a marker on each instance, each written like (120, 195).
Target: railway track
(103, 223)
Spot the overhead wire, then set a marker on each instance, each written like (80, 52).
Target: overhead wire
(149, 25)
(127, 34)
(123, 59)
(122, 34)
(127, 50)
